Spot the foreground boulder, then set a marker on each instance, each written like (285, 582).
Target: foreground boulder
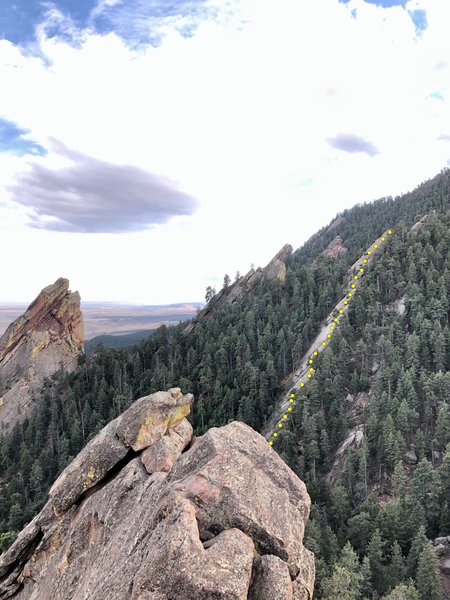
(147, 512)
(47, 336)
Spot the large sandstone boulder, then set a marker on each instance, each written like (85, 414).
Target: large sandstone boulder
(219, 517)
(49, 334)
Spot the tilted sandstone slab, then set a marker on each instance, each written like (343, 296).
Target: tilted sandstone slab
(275, 269)
(225, 522)
(49, 334)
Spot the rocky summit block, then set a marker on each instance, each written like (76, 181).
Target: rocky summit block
(147, 512)
(49, 334)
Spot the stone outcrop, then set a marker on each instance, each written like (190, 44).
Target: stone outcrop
(335, 248)
(418, 226)
(146, 512)
(442, 550)
(49, 334)
(410, 456)
(276, 269)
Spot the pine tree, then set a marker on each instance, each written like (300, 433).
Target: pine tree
(398, 480)
(366, 579)
(403, 591)
(339, 585)
(396, 569)
(375, 553)
(418, 544)
(348, 560)
(428, 575)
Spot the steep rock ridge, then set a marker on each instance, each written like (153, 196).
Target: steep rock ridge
(48, 334)
(276, 269)
(136, 518)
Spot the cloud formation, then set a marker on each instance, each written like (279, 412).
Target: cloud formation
(95, 196)
(349, 142)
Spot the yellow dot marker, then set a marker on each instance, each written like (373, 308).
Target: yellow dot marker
(324, 343)
(389, 231)
(291, 401)
(328, 335)
(383, 238)
(290, 408)
(275, 434)
(336, 320)
(369, 252)
(341, 310)
(310, 361)
(270, 443)
(284, 416)
(280, 425)
(346, 302)
(353, 286)
(355, 277)
(309, 375)
(350, 294)
(375, 245)
(361, 270)
(364, 260)
(302, 384)
(315, 353)
(311, 369)
(332, 328)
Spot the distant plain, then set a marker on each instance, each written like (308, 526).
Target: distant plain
(112, 318)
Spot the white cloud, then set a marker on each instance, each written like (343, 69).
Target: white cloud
(239, 115)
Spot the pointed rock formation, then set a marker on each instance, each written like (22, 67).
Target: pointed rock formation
(335, 248)
(49, 334)
(276, 269)
(146, 512)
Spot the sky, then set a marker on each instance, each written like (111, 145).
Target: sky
(148, 147)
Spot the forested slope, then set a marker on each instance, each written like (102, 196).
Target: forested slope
(385, 375)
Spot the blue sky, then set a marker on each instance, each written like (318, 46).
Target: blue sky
(148, 147)
(14, 140)
(18, 18)
(135, 20)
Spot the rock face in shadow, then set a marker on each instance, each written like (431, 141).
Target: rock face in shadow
(49, 334)
(276, 269)
(219, 517)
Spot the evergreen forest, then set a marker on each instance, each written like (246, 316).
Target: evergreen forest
(377, 505)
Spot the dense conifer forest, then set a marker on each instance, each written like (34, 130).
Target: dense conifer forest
(386, 373)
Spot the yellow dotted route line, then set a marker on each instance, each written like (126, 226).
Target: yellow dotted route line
(335, 322)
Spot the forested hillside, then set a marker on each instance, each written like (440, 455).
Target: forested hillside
(385, 379)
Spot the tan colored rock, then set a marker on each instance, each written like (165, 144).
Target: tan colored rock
(161, 455)
(276, 269)
(49, 334)
(271, 580)
(193, 532)
(144, 423)
(151, 417)
(179, 565)
(335, 248)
